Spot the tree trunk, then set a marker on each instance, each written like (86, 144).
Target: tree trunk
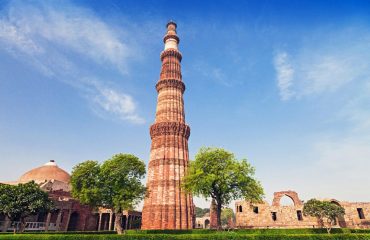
(219, 209)
(22, 225)
(328, 228)
(118, 222)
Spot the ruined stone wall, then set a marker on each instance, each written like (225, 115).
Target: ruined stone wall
(353, 210)
(261, 215)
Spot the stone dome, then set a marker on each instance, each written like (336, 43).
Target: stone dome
(49, 171)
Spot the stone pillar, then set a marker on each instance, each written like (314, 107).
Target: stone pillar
(100, 218)
(126, 225)
(59, 218)
(110, 221)
(68, 218)
(168, 206)
(114, 221)
(47, 222)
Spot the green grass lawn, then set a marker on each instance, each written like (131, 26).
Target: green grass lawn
(255, 234)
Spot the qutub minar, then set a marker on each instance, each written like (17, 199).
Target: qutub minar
(167, 206)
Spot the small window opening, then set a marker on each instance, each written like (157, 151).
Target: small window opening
(240, 209)
(255, 209)
(299, 215)
(360, 212)
(273, 215)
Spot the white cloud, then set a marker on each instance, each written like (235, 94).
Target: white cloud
(63, 42)
(331, 70)
(285, 73)
(324, 64)
(11, 35)
(117, 103)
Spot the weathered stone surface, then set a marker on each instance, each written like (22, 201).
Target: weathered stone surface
(167, 206)
(250, 215)
(213, 215)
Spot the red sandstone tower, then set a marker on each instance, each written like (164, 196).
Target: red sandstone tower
(168, 206)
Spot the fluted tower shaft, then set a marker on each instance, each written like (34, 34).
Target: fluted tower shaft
(167, 206)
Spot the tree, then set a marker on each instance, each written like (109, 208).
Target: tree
(20, 201)
(227, 215)
(216, 173)
(200, 212)
(115, 184)
(323, 211)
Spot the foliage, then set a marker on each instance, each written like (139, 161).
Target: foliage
(264, 231)
(20, 201)
(227, 215)
(115, 184)
(200, 212)
(85, 182)
(223, 236)
(216, 173)
(323, 210)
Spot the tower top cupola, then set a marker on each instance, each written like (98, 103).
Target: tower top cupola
(171, 40)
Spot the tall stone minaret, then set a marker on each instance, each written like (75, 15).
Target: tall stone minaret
(167, 205)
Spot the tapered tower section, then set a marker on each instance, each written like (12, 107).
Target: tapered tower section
(167, 206)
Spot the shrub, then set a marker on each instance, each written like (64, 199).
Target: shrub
(271, 231)
(216, 236)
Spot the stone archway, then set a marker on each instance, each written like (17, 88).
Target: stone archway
(73, 221)
(341, 222)
(206, 223)
(291, 194)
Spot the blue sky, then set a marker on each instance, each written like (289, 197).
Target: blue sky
(285, 84)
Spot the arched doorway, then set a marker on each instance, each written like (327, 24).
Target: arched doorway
(73, 221)
(286, 200)
(206, 223)
(340, 220)
(289, 194)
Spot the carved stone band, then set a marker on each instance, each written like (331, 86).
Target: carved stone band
(166, 183)
(171, 52)
(169, 128)
(168, 161)
(171, 36)
(165, 83)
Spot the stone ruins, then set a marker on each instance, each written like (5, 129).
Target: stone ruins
(263, 215)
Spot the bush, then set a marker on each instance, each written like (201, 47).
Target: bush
(64, 233)
(253, 231)
(210, 236)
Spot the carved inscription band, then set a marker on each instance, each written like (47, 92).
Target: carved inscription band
(171, 52)
(171, 36)
(170, 128)
(156, 183)
(174, 145)
(168, 161)
(166, 83)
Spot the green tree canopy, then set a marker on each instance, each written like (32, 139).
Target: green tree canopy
(216, 173)
(200, 212)
(227, 215)
(115, 184)
(323, 210)
(20, 201)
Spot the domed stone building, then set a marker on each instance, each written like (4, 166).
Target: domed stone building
(69, 214)
(48, 171)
